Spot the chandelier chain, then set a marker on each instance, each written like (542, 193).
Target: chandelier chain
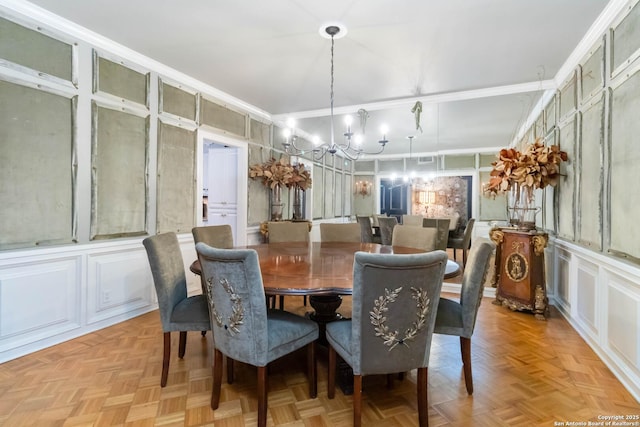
(331, 91)
(345, 149)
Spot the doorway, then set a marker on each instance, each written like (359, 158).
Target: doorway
(394, 198)
(222, 185)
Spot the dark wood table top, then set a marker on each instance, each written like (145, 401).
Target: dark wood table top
(316, 268)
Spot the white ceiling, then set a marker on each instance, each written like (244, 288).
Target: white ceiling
(478, 66)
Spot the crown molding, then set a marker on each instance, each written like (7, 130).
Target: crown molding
(29, 12)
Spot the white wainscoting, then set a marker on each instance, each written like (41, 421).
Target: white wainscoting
(51, 295)
(600, 297)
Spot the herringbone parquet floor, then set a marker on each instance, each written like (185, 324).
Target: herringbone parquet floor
(526, 373)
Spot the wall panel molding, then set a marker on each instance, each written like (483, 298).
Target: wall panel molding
(608, 315)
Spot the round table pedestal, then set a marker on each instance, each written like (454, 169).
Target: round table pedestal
(325, 307)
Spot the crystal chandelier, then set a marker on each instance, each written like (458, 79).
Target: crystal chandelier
(352, 146)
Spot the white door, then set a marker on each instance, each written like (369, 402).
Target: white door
(220, 174)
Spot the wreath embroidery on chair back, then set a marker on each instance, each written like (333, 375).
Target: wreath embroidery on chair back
(378, 317)
(237, 311)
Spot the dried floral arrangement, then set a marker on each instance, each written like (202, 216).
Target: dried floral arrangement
(275, 173)
(301, 177)
(535, 167)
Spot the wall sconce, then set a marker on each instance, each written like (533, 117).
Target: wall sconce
(363, 188)
(427, 197)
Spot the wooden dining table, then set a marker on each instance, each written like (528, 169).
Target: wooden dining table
(321, 270)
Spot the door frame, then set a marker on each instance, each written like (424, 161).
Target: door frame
(241, 183)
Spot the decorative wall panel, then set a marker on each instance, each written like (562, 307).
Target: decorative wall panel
(592, 73)
(32, 285)
(491, 209)
(117, 284)
(568, 97)
(258, 195)
(318, 191)
(176, 179)
(563, 289)
(37, 176)
(348, 191)
(550, 114)
(222, 117)
(328, 193)
(622, 321)
(120, 81)
(566, 185)
(32, 49)
(260, 132)
(365, 166)
(591, 176)
(119, 174)
(549, 209)
(625, 39)
(539, 128)
(338, 194)
(421, 164)
(467, 161)
(386, 166)
(625, 158)
(178, 102)
(487, 159)
(549, 205)
(586, 306)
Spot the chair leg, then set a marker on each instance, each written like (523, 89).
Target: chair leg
(464, 258)
(304, 300)
(390, 381)
(465, 350)
(357, 400)
(262, 396)
(182, 346)
(217, 378)
(166, 355)
(331, 376)
(312, 370)
(230, 376)
(454, 254)
(423, 401)
(281, 302)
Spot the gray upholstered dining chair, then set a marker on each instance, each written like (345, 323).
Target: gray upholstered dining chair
(414, 220)
(178, 312)
(459, 318)
(218, 236)
(243, 328)
(366, 230)
(442, 225)
(415, 237)
(395, 300)
(287, 231)
(462, 241)
(375, 217)
(387, 224)
(343, 232)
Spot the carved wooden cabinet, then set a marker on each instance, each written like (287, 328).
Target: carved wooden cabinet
(520, 273)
